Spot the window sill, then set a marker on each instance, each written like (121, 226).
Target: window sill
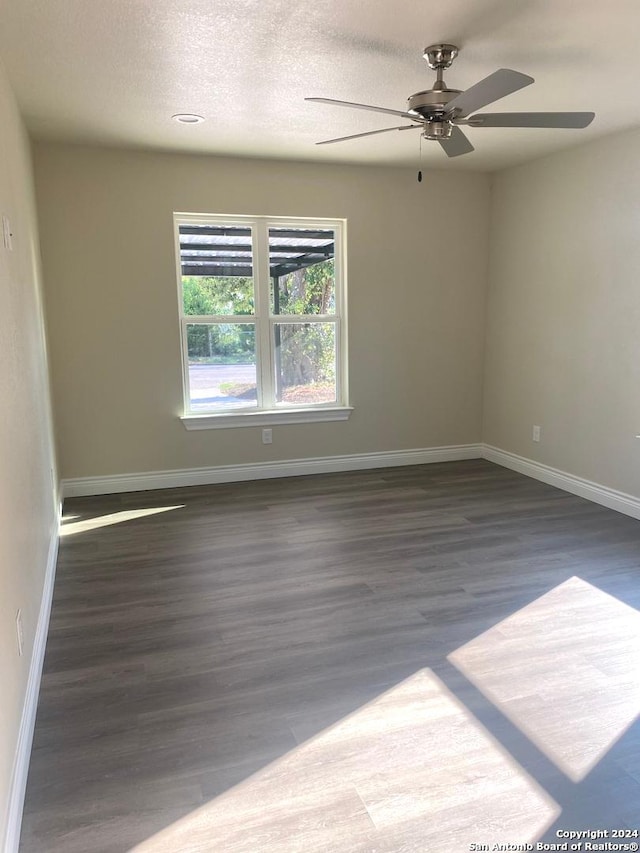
(228, 420)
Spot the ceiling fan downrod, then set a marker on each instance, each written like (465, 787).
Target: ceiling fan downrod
(430, 105)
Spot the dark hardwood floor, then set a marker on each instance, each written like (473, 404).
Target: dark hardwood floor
(406, 659)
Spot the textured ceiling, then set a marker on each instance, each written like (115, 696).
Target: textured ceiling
(115, 71)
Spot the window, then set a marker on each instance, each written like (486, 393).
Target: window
(262, 313)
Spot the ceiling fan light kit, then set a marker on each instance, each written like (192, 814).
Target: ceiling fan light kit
(440, 111)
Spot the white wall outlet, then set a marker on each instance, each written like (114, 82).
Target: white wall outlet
(20, 632)
(267, 436)
(536, 433)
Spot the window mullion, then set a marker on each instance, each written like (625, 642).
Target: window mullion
(342, 379)
(339, 362)
(266, 392)
(305, 318)
(220, 319)
(186, 379)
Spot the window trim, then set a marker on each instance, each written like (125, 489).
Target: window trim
(264, 322)
(266, 417)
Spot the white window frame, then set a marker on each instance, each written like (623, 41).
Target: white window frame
(267, 412)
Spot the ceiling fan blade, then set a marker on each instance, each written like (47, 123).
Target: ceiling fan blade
(497, 85)
(363, 107)
(457, 144)
(368, 133)
(575, 120)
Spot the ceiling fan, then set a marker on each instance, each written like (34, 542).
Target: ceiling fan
(439, 112)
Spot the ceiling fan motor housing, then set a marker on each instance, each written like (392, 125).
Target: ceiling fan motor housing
(432, 103)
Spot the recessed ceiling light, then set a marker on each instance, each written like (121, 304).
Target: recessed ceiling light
(188, 118)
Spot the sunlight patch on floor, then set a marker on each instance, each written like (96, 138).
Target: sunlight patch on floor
(413, 769)
(565, 669)
(70, 526)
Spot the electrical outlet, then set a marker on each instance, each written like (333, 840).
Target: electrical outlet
(20, 632)
(267, 436)
(536, 433)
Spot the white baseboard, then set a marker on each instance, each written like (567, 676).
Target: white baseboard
(611, 498)
(265, 470)
(619, 501)
(28, 720)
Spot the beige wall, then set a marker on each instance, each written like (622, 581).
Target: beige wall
(27, 502)
(563, 330)
(417, 273)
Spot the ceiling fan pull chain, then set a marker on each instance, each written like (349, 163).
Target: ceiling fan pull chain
(420, 170)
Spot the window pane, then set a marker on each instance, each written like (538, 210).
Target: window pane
(302, 270)
(221, 295)
(217, 269)
(305, 363)
(222, 365)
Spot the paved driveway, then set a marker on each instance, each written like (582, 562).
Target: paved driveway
(205, 381)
